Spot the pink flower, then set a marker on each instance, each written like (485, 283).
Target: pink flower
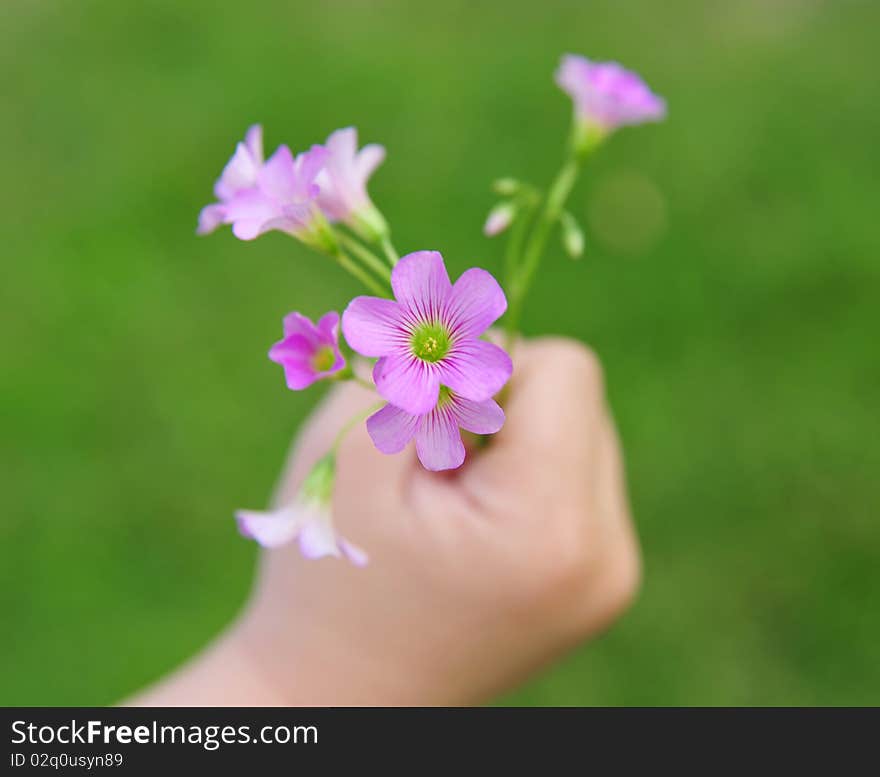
(308, 352)
(256, 196)
(429, 336)
(343, 183)
(307, 519)
(312, 527)
(437, 436)
(606, 95)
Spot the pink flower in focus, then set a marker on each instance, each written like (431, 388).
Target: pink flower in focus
(606, 95)
(256, 196)
(307, 520)
(437, 435)
(343, 183)
(430, 335)
(308, 352)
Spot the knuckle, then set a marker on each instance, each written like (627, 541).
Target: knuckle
(587, 368)
(560, 560)
(622, 581)
(570, 572)
(578, 361)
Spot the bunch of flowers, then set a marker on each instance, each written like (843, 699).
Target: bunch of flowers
(432, 368)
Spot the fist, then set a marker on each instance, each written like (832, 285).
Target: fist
(477, 577)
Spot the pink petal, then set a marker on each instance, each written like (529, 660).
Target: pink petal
(352, 552)
(294, 354)
(421, 284)
(342, 144)
(312, 525)
(438, 442)
(299, 376)
(297, 324)
(293, 346)
(239, 174)
(607, 94)
(342, 182)
(253, 140)
(277, 178)
(294, 217)
(391, 429)
(317, 538)
(372, 326)
(211, 217)
(476, 302)
(270, 529)
(407, 382)
(476, 369)
(249, 212)
(484, 417)
(309, 164)
(368, 159)
(328, 326)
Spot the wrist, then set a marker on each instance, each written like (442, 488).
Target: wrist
(224, 674)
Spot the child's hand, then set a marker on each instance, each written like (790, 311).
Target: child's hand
(476, 578)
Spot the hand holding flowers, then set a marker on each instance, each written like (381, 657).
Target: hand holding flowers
(433, 369)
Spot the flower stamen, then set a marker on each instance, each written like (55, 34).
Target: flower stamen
(430, 342)
(324, 359)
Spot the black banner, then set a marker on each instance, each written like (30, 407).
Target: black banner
(263, 741)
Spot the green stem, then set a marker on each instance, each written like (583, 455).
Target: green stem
(534, 250)
(349, 425)
(348, 373)
(365, 383)
(360, 273)
(366, 256)
(390, 251)
(516, 239)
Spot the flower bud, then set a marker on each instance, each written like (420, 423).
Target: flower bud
(500, 218)
(572, 235)
(506, 187)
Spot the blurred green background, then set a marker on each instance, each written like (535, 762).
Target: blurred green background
(730, 287)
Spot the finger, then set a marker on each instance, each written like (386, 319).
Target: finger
(613, 567)
(553, 409)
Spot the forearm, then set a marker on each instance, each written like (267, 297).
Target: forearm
(223, 675)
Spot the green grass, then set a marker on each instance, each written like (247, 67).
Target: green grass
(730, 287)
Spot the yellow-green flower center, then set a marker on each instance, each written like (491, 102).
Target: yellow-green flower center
(430, 342)
(444, 398)
(323, 359)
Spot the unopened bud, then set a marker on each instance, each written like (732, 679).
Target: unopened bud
(506, 187)
(499, 218)
(572, 235)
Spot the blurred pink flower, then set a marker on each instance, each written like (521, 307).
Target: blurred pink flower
(308, 352)
(606, 95)
(343, 183)
(256, 196)
(311, 526)
(307, 520)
